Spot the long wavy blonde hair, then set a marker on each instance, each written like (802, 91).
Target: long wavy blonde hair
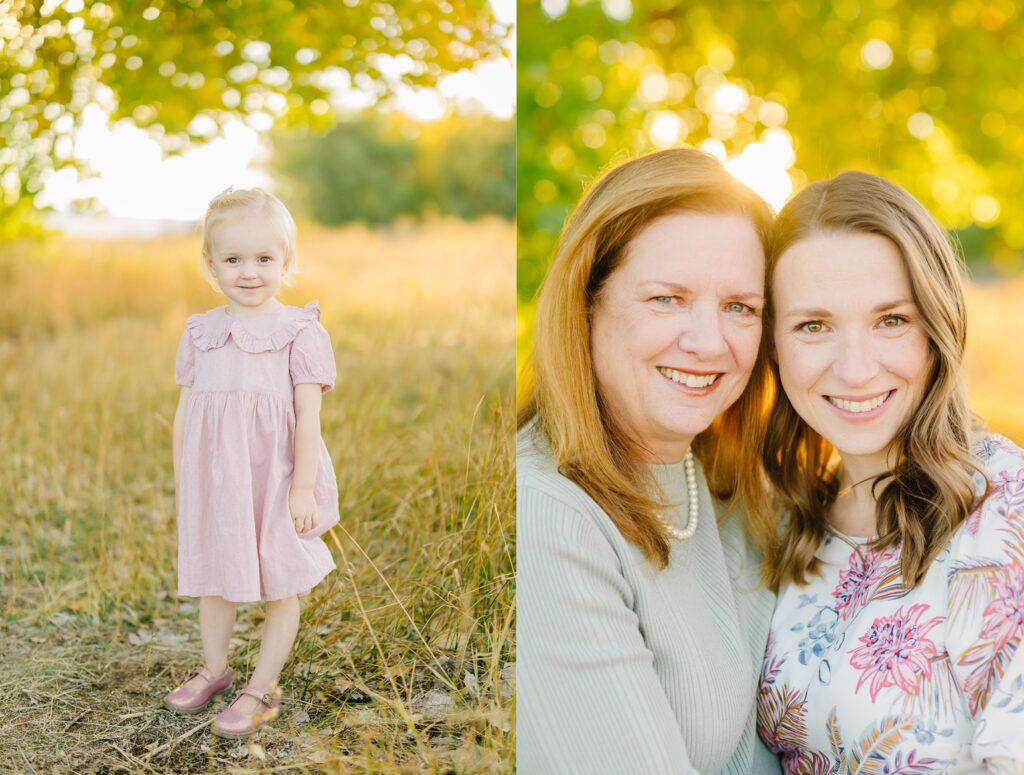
(929, 491)
(558, 387)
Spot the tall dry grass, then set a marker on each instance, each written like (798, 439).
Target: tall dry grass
(405, 655)
(994, 370)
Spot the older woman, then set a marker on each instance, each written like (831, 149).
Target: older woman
(641, 623)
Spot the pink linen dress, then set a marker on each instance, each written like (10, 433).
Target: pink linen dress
(236, 538)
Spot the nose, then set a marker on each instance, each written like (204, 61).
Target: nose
(703, 334)
(855, 363)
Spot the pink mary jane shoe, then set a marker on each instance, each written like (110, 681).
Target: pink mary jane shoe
(233, 723)
(192, 699)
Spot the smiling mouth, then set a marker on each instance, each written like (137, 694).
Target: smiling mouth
(688, 379)
(860, 407)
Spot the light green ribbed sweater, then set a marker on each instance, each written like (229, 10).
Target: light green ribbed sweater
(623, 669)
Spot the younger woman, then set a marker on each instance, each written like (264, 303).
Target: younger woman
(254, 482)
(896, 642)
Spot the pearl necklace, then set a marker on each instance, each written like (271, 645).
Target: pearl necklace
(692, 503)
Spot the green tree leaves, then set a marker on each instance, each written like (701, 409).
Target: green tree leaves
(928, 96)
(376, 169)
(165, 62)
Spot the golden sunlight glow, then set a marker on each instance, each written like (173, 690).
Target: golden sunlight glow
(666, 129)
(134, 179)
(764, 167)
(876, 54)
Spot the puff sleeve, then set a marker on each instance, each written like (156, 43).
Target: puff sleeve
(312, 357)
(185, 361)
(985, 634)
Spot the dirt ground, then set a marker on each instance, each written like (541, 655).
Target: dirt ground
(76, 698)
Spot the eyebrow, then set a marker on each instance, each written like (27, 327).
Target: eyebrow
(820, 312)
(677, 288)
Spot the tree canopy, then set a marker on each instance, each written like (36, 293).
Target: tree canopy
(183, 67)
(378, 167)
(926, 94)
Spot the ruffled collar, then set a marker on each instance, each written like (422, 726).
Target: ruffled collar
(258, 334)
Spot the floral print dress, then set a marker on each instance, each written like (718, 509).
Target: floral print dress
(863, 676)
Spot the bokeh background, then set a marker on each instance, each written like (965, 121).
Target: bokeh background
(388, 128)
(786, 92)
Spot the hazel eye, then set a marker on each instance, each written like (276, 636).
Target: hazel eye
(893, 321)
(812, 327)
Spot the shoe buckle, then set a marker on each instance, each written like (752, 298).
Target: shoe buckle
(266, 700)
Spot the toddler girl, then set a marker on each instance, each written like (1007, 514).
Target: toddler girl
(255, 485)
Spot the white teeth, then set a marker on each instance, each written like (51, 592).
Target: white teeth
(860, 406)
(690, 380)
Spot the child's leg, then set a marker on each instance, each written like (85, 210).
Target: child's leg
(279, 630)
(216, 623)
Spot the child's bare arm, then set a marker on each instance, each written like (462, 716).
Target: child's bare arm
(307, 452)
(179, 432)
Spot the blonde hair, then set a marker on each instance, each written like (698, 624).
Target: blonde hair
(559, 389)
(253, 200)
(930, 492)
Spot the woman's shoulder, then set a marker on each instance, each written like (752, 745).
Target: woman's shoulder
(996, 454)
(1001, 514)
(536, 471)
(257, 334)
(549, 505)
(1003, 464)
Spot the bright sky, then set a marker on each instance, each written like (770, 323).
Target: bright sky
(135, 180)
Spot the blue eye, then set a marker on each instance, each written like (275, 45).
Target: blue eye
(231, 260)
(738, 306)
(265, 259)
(664, 299)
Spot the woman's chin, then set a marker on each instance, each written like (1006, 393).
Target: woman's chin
(682, 430)
(848, 446)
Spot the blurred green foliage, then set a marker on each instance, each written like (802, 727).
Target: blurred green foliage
(182, 68)
(383, 166)
(926, 94)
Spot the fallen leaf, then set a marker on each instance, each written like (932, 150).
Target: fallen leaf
(508, 679)
(469, 681)
(434, 704)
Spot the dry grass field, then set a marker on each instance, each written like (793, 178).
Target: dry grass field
(405, 657)
(995, 368)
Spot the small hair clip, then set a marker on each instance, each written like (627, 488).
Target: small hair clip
(225, 192)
